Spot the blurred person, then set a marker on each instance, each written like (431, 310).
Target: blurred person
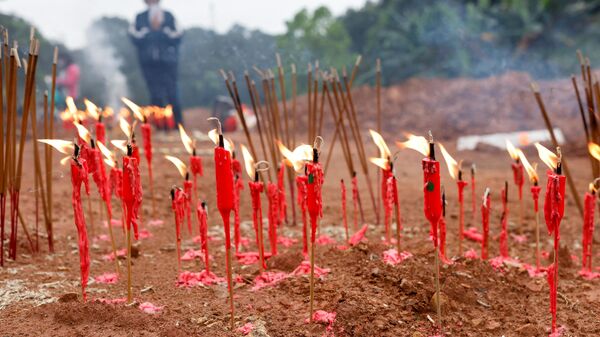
(67, 81)
(155, 35)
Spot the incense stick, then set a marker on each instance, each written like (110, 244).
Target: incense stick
(293, 116)
(50, 167)
(355, 69)
(378, 105)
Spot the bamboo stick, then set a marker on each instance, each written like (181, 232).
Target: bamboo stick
(355, 69)
(542, 106)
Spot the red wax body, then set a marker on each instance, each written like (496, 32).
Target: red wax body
(344, 217)
(256, 188)
(101, 133)
(132, 192)
(273, 198)
(282, 198)
(239, 186)
(79, 176)
(554, 208)
(473, 207)
(535, 194)
(179, 207)
(432, 196)
(147, 137)
(518, 177)
(116, 182)
(485, 220)
(504, 225)
(196, 169)
(301, 182)
(461, 200)
(588, 231)
(387, 201)
(203, 229)
(187, 189)
(224, 178)
(313, 196)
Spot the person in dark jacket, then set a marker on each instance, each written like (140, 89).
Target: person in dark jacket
(157, 39)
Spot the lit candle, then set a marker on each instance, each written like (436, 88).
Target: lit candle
(588, 229)
(504, 222)
(301, 181)
(179, 207)
(195, 160)
(485, 221)
(455, 170)
(202, 215)
(535, 194)
(518, 175)
(554, 208)
(384, 162)
(79, 176)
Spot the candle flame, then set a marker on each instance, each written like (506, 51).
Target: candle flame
(124, 113)
(181, 167)
(92, 109)
(125, 127)
(66, 115)
(168, 111)
(188, 143)
(62, 146)
(384, 150)
(512, 150)
(248, 161)
(71, 106)
(417, 143)
(83, 132)
(453, 166)
(592, 188)
(110, 156)
(108, 111)
(137, 111)
(120, 144)
(530, 169)
(297, 157)
(214, 136)
(594, 150)
(381, 162)
(548, 157)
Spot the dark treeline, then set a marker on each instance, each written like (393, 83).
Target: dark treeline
(412, 37)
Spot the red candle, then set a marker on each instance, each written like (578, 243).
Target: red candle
(132, 190)
(443, 227)
(431, 190)
(196, 169)
(147, 138)
(535, 194)
(588, 229)
(313, 194)
(282, 198)
(344, 217)
(273, 198)
(187, 189)
(485, 220)
(386, 173)
(116, 182)
(301, 182)
(460, 184)
(100, 132)
(179, 207)
(504, 223)
(518, 177)
(239, 186)
(202, 214)
(256, 188)
(79, 176)
(473, 207)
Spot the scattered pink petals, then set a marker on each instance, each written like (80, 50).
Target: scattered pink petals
(197, 239)
(473, 234)
(190, 279)
(249, 258)
(113, 222)
(392, 257)
(304, 269)
(101, 237)
(324, 240)
(498, 263)
(244, 241)
(155, 223)
(150, 308)
(358, 236)
(519, 238)
(107, 278)
(111, 256)
(533, 271)
(111, 300)
(343, 247)
(471, 254)
(558, 332)
(268, 279)
(589, 275)
(246, 329)
(286, 242)
(574, 258)
(327, 318)
(192, 254)
(544, 254)
(145, 234)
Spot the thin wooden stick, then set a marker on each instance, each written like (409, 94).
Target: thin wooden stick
(309, 96)
(49, 181)
(293, 116)
(283, 98)
(265, 125)
(129, 291)
(355, 69)
(540, 102)
(378, 105)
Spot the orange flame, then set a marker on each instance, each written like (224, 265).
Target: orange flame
(417, 143)
(188, 143)
(126, 127)
(384, 150)
(548, 157)
(248, 161)
(108, 154)
(592, 188)
(594, 150)
(92, 109)
(512, 151)
(296, 158)
(71, 106)
(168, 111)
(137, 111)
(181, 167)
(530, 169)
(214, 136)
(381, 162)
(62, 146)
(124, 113)
(120, 144)
(453, 166)
(83, 133)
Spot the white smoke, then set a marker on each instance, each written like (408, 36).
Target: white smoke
(102, 56)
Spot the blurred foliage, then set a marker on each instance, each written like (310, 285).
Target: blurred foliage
(412, 37)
